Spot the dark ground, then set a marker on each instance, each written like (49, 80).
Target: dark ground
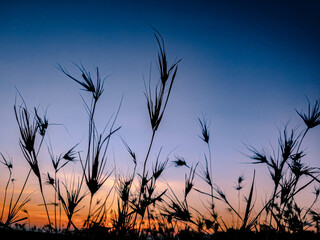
(12, 234)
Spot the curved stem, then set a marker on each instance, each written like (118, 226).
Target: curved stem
(5, 195)
(147, 156)
(304, 134)
(315, 200)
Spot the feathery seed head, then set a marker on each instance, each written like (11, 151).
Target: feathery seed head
(312, 118)
(50, 180)
(42, 123)
(205, 134)
(28, 129)
(239, 184)
(180, 161)
(5, 162)
(157, 104)
(159, 168)
(189, 181)
(87, 83)
(317, 191)
(287, 144)
(70, 155)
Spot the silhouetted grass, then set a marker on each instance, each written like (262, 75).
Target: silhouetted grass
(138, 210)
(95, 161)
(29, 128)
(58, 164)
(9, 167)
(286, 170)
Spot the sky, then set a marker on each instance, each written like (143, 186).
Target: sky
(246, 66)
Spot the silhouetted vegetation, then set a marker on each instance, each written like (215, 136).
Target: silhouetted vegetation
(141, 209)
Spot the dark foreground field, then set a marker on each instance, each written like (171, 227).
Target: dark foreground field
(14, 234)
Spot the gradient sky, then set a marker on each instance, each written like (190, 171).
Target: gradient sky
(246, 66)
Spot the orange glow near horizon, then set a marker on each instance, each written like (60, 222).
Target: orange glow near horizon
(37, 217)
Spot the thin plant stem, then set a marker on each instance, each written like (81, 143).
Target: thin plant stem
(272, 201)
(5, 195)
(60, 214)
(148, 153)
(89, 212)
(55, 203)
(304, 134)
(143, 175)
(210, 159)
(40, 145)
(45, 204)
(238, 207)
(24, 185)
(314, 201)
(211, 177)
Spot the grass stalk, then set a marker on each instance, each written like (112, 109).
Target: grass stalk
(9, 167)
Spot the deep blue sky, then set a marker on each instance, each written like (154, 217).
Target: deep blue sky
(246, 65)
